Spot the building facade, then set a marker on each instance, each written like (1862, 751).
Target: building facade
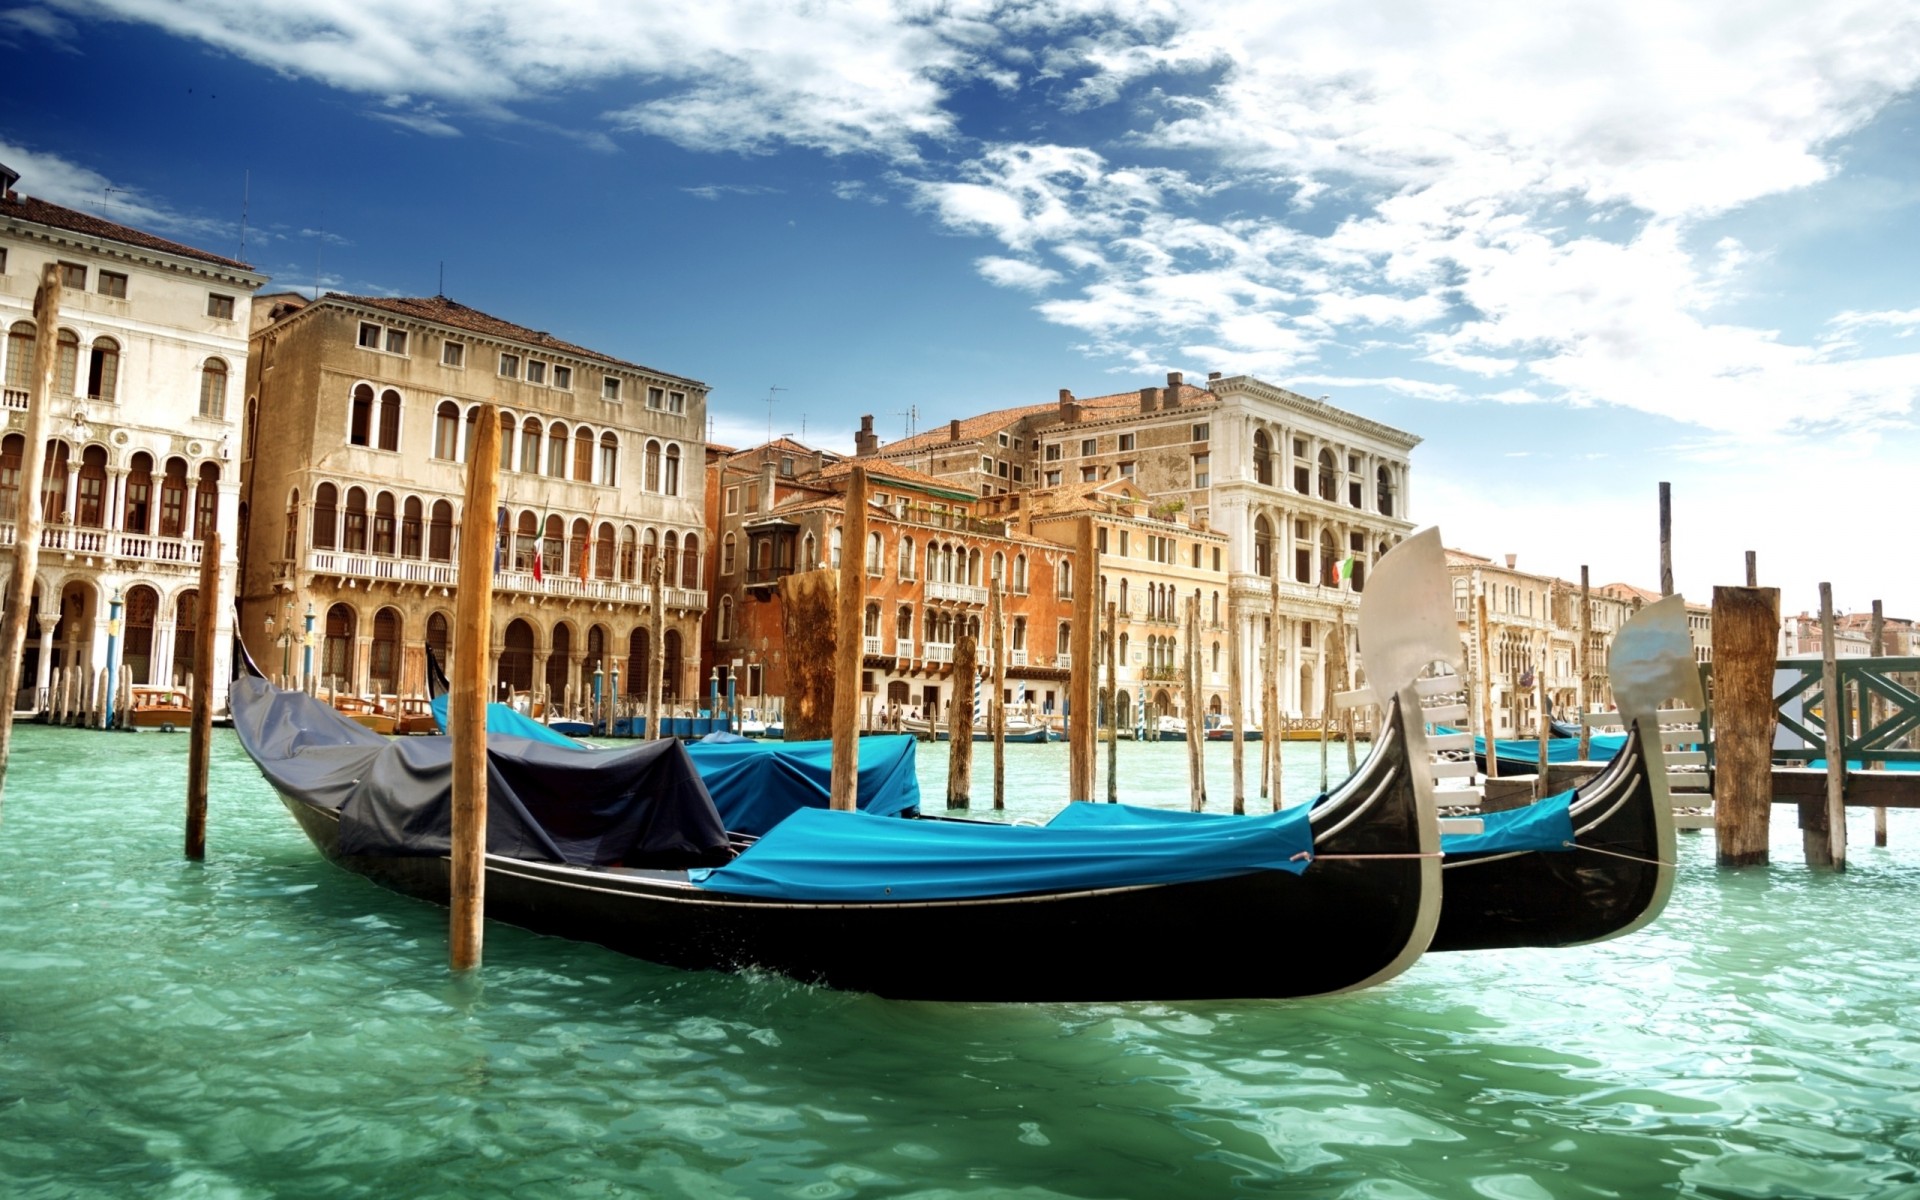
(362, 416)
(142, 440)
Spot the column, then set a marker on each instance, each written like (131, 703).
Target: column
(73, 490)
(360, 679)
(44, 677)
(116, 500)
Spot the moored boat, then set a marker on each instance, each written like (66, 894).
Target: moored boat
(414, 715)
(367, 713)
(159, 709)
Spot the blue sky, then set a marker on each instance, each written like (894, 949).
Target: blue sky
(1579, 249)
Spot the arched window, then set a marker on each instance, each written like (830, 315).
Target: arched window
(446, 431)
(507, 428)
(1383, 491)
(553, 546)
(876, 550)
(53, 489)
(206, 501)
(998, 573)
(560, 657)
(383, 523)
(870, 620)
(1328, 472)
(671, 483)
(439, 636)
(583, 455)
(103, 369)
(440, 532)
(1063, 645)
(690, 561)
(727, 549)
(724, 629)
(336, 656)
(603, 552)
(1123, 609)
(186, 612)
(1019, 574)
(609, 459)
(1329, 559)
(557, 450)
(20, 343)
(173, 499)
(577, 556)
(471, 427)
(90, 505)
(411, 542)
(906, 558)
(516, 657)
(629, 554)
(383, 662)
(670, 561)
(390, 420)
(67, 361)
(139, 508)
(530, 446)
(359, 416)
(12, 454)
(1262, 547)
(143, 605)
(650, 474)
(325, 519)
(670, 666)
(1262, 457)
(639, 659)
(1065, 574)
(353, 526)
(833, 548)
(903, 623)
(214, 390)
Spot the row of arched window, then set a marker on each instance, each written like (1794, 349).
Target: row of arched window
(1323, 475)
(379, 523)
(1325, 568)
(96, 375)
(86, 494)
(529, 446)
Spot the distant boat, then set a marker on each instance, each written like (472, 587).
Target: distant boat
(415, 717)
(363, 710)
(162, 709)
(1223, 732)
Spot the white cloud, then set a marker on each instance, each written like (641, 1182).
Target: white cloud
(1016, 273)
(73, 185)
(713, 191)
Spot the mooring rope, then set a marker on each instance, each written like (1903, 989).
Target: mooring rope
(1655, 862)
(1312, 857)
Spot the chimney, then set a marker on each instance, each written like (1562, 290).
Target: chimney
(8, 177)
(1149, 399)
(766, 486)
(953, 430)
(864, 442)
(1069, 407)
(1174, 380)
(1212, 375)
(1511, 559)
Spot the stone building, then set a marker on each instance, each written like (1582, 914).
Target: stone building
(932, 553)
(142, 436)
(1532, 629)
(362, 415)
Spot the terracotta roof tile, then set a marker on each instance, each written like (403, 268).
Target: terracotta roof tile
(978, 426)
(40, 212)
(451, 312)
(784, 445)
(892, 471)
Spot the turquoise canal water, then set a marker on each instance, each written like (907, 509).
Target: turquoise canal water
(266, 1025)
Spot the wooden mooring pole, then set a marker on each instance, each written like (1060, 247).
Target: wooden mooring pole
(844, 790)
(468, 694)
(1273, 737)
(1543, 730)
(1486, 689)
(27, 519)
(656, 649)
(200, 737)
(1236, 711)
(1196, 714)
(1746, 633)
(1824, 827)
(960, 723)
(1080, 670)
(1869, 715)
(1113, 712)
(1666, 539)
(996, 703)
(1753, 570)
(1583, 671)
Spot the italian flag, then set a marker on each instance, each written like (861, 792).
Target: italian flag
(1346, 567)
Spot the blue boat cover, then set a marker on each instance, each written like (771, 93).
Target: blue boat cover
(505, 720)
(821, 855)
(1544, 825)
(756, 785)
(1603, 746)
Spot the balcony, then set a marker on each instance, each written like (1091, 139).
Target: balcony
(111, 543)
(16, 399)
(903, 647)
(870, 645)
(440, 574)
(959, 593)
(1017, 658)
(939, 652)
(767, 576)
(1063, 660)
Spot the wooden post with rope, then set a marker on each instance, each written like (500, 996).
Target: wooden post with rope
(1824, 836)
(467, 698)
(200, 737)
(996, 703)
(27, 521)
(1113, 712)
(1080, 669)
(1746, 633)
(960, 722)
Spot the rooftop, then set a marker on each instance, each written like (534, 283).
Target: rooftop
(42, 212)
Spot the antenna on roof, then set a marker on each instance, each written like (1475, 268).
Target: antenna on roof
(770, 392)
(442, 293)
(912, 415)
(246, 193)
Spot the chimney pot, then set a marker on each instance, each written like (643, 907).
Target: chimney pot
(1174, 379)
(1511, 559)
(1066, 397)
(953, 430)
(1212, 375)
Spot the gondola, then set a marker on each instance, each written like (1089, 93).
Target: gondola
(1615, 871)
(866, 903)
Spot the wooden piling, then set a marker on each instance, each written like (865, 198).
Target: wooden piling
(1348, 714)
(1196, 713)
(1236, 711)
(1753, 570)
(1746, 633)
(468, 693)
(1486, 689)
(1543, 731)
(200, 737)
(960, 723)
(28, 518)
(1327, 668)
(1666, 539)
(1870, 715)
(1080, 673)
(1828, 847)
(656, 648)
(1113, 711)
(810, 614)
(1583, 673)
(845, 787)
(1272, 736)
(996, 703)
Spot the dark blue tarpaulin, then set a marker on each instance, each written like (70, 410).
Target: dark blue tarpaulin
(820, 855)
(755, 785)
(1544, 825)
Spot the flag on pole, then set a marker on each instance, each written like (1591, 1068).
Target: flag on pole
(1346, 567)
(499, 539)
(538, 575)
